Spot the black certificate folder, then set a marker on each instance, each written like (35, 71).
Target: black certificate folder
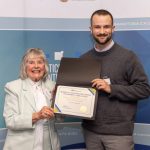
(78, 71)
(74, 95)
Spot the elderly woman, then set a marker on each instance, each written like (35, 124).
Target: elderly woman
(27, 110)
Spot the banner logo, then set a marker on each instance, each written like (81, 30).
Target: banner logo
(58, 55)
(63, 0)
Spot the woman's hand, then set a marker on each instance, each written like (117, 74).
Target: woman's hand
(45, 113)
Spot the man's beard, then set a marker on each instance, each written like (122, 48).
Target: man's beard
(102, 43)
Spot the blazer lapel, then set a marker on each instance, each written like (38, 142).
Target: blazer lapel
(47, 94)
(28, 94)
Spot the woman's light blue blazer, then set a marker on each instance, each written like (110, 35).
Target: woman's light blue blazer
(18, 108)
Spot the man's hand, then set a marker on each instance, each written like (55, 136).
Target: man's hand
(101, 84)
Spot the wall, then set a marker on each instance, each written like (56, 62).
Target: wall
(62, 28)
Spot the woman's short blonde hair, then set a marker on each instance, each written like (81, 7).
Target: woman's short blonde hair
(33, 52)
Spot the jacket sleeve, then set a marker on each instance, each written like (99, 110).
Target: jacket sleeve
(14, 119)
(137, 86)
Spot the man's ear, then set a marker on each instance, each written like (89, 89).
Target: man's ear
(113, 28)
(90, 29)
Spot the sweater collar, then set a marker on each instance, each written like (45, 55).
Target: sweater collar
(106, 48)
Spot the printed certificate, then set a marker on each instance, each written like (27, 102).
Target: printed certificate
(75, 101)
(75, 95)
